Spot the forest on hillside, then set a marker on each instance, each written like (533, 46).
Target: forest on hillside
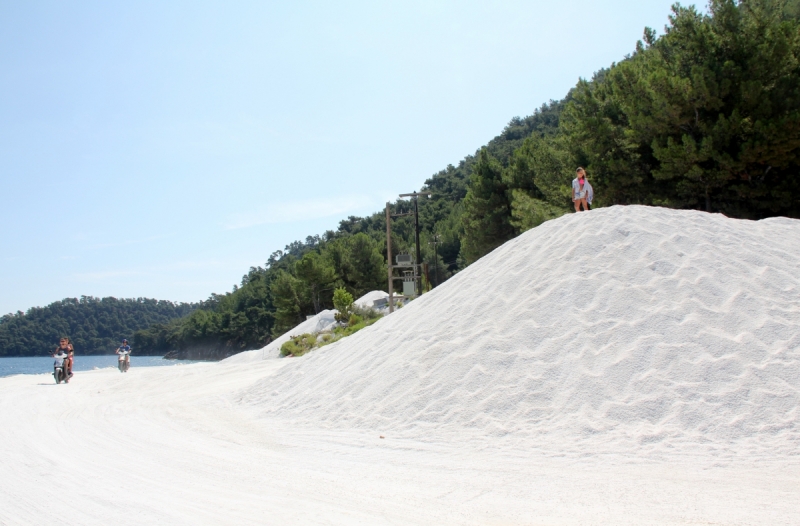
(705, 115)
(95, 325)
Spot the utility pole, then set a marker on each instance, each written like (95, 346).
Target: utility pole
(435, 244)
(389, 257)
(415, 197)
(389, 265)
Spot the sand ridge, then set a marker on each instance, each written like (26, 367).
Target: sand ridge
(626, 329)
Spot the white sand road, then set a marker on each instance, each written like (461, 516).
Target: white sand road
(624, 366)
(170, 445)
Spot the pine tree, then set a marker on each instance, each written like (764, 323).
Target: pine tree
(317, 273)
(288, 297)
(487, 210)
(366, 269)
(706, 116)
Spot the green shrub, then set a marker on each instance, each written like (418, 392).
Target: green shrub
(343, 302)
(299, 345)
(367, 313)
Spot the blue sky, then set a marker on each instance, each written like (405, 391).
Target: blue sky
(160, 149)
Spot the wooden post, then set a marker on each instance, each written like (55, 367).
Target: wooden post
(389, 256)
(418, 268)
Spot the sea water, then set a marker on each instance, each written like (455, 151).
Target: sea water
(44, 364)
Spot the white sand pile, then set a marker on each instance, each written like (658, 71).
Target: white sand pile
(314, 324)
(629, 329)
(273, 350)
(368, 300)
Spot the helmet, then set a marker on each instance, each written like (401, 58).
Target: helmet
(124, 341)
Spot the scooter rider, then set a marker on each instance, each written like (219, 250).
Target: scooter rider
(124, 352)
(65, 346)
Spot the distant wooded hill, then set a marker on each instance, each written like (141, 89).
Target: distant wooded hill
(95, 325)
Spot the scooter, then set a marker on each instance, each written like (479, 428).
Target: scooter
(124, 362)
(60, 373)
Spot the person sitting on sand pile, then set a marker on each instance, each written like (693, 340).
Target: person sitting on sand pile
(582, 192)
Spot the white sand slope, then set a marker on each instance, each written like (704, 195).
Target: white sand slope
(629, 365)
(627, 329)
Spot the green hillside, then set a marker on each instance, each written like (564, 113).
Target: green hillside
(704, 116)
(95, 326)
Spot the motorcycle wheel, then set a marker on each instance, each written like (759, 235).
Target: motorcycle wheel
(57, 377)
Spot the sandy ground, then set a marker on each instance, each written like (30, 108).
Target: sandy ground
(172, 445)
(629, 365)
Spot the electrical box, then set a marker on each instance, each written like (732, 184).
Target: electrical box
(409, 284)
(404, 260)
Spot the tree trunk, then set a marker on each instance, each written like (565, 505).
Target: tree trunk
(315, 299)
